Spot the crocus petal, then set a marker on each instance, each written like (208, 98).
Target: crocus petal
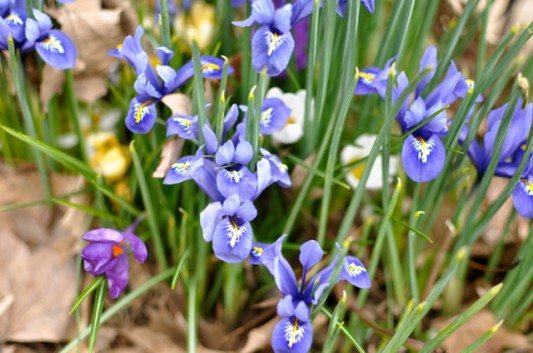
(209, 218)
(118, 275)
(57, 50)
(244, 152)
(271, 50)
(355, 272)
(180, 171)
(96, 257)
(274, 116)
(523, 198)
(310, 254)
(225, 153)
(423, 159)
(241, 181)
(141, 116)
(232, 240)
(103, 235)
(138, 248)
(185, 126)
(291, 335)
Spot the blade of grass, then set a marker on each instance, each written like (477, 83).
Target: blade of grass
(94, 285)
(98, 307)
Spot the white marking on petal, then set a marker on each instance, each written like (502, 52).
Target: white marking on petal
(140, 110)
(14, 19)
(423, 148)
(182, 168)
(367, 77)
(235, 175)
(234, 232)
(355, 270)
(53, 44)
(527, 186)
(294, 332)
(257, 251)
(266, 116)
(185, 124)
(209, 68)
(274, 41)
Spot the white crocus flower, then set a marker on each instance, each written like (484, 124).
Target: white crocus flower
(294, 129)
(361, 149)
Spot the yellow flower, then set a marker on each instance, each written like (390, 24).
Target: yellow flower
(108, 157)
(197, 24)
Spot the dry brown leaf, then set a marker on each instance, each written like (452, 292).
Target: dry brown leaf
(42, 283)
(151, 341)
(477, 326)
(259, 338)
(169, 154)
(178, 103)
(95, 30)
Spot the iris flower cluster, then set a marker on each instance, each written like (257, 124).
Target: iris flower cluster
(512, 153)
(294, 332)
(224, 169)
(423, 152)
(154, 83)
(52, 45)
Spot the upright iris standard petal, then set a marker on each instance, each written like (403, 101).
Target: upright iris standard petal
(141, 116)
(232, 239)
(57, 50)
(225, 153)
(523, 197)
(274, 116)
(271, 50)
(355, 272)
(244, 152)
(180, 171)
(423, 159)
(310, 254)
(369, 5)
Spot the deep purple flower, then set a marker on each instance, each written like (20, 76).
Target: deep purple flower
(227, 225)
(108, 254)
(272, 43)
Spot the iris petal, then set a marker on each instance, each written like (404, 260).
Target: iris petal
(271, 50)
(523, 198)
(423, 159)
(291, 335)
(57, 50)
(141, 116)
(232, 240)
(355, 272)
(180, 171)
(241, 182)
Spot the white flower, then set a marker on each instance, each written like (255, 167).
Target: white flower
(294, 129)
(351, 154)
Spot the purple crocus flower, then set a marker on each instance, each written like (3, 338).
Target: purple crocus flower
(272, 43)
(108, 254)
(227, 225)
(511, 155)
(293, 332)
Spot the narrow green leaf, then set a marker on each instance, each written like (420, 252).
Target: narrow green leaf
(85, 293)
(98, 307)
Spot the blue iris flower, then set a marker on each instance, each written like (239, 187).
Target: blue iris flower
(227, 225)
(272, 43)
(294, 332)
(153, 84)
(52, 45)
(373, 80)
(512, 152)
(274, 116)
